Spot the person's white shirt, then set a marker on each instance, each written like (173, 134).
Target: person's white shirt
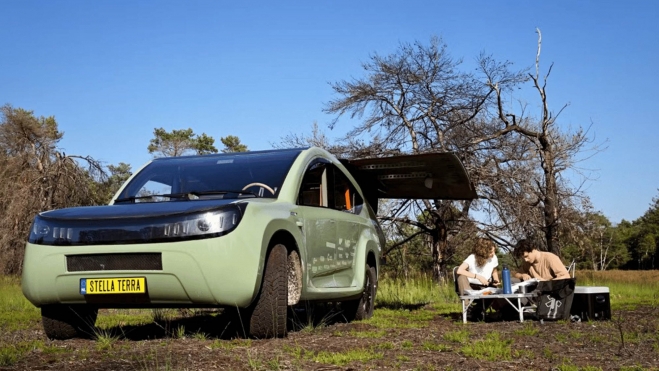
(485, 270)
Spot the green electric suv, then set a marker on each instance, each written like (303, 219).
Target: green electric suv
(255, 231)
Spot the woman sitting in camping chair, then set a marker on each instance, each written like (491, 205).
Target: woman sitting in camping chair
(479, 270)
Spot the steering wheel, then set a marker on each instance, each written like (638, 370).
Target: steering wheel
(263, 186)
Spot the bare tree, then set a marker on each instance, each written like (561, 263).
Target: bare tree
(417, 100)
(541, 152)
(317, 138)
(36, 177)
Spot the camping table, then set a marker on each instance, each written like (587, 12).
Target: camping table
(515, 300)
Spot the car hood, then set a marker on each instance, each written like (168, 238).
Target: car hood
(138, 210)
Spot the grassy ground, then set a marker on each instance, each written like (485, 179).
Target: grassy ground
(416, 326)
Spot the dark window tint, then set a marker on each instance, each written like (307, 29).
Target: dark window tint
(214, 173)
(313, 191)
(324, 185)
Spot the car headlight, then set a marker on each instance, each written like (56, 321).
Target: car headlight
(48, 231)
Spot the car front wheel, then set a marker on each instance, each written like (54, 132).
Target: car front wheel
(269, 313)
(63, 322)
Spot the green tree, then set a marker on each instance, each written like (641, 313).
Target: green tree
(597, 244)
(232, 144)
(118, 174)
(179, 143)
(643, 239)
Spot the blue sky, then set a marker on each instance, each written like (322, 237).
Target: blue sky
(112, 71)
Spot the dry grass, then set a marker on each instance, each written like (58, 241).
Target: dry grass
(628, 288)
(588, 277)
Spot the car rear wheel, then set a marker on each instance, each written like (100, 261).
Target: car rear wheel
(269, 313)
(63, 322)
(362, 308)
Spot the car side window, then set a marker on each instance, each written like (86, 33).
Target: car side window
(346, 198)
(313, 191)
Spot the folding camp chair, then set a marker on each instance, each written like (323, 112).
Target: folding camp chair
(482, 305)
(572, 268)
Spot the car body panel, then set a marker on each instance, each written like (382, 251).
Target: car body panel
(219, 271)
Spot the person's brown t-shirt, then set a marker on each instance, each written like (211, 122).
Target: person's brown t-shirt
(547, 267)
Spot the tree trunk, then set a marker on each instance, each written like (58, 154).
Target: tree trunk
(550, 198)
(404, 262)
(438, 245)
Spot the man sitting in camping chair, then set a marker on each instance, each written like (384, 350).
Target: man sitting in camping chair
(542, 265)
(478, 271)
(554, 276)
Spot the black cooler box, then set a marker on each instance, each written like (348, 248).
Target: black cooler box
(591, 303)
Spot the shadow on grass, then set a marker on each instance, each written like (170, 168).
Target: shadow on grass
(401, 306)
(490, 316)
(219, 325)
(225, 324)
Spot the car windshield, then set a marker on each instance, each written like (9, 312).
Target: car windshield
(233, 175)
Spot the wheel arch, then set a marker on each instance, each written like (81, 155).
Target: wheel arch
(372, 255)
(371, 260)
(295, 265)
(285, 238)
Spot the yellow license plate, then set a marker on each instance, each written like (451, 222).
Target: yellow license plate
(125, 285)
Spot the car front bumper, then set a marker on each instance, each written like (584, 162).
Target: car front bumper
(221, 271)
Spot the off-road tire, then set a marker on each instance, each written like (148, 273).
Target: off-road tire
(61, 322)
(294, 278)
(269, 313)
(362, 308)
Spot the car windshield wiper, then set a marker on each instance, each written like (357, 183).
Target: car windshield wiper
(221, 192)
(168, 195)
(187, 195)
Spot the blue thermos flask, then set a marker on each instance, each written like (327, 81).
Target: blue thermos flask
(507, 288)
